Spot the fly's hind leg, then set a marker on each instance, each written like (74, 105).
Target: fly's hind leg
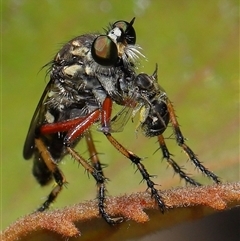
(56, 173)
(40, 170)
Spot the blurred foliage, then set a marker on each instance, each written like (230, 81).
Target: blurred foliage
(196, 45)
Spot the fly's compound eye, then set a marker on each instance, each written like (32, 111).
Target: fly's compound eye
(129, 33)
(104, 51)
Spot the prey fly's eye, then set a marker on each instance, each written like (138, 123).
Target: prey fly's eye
(104, 51)
(128, 30)
(144, 82)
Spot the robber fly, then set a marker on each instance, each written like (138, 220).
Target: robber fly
(87, 75)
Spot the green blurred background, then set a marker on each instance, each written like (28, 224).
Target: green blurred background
(196, 45)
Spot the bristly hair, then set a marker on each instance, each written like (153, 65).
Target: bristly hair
(132, 55)
(48, 66)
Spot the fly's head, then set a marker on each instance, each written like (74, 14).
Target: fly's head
(118, 46)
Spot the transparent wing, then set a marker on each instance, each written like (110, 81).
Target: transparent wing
(122, 117)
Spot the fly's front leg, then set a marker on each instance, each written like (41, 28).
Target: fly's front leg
(137, 161)
(56, 172)
(181, 142)
(105, 120)
(106, 115)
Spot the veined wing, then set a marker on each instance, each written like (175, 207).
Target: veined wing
(28, 148)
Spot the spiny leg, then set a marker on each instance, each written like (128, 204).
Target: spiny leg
(173, 164)
(181, 142)
(101, 187)
(137, 161)
(93, 152)
(100, 179)
(80, 127)
(75, 128)
(47, 158)
(56, 172)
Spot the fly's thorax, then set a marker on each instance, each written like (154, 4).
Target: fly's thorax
(73, 72)
(75, 66)
(110, 59)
